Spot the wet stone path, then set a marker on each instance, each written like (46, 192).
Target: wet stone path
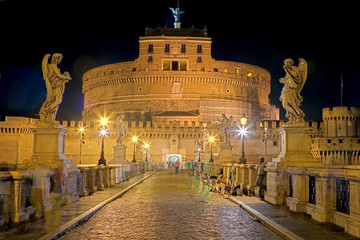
(171, 206)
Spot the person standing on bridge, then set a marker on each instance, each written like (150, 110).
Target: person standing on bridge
(260, 177)
(177, 167)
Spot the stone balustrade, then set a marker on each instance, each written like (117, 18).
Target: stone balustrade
(327, 194)
(17, 189)
(244, 175)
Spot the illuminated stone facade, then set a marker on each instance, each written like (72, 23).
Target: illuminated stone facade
(175, 78)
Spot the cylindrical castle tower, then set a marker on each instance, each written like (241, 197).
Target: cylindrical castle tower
(341, 121)
(175, 78)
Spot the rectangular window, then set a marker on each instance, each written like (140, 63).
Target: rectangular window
(183, 48)
(199, 60)
(166, 65)
(343, 196)
(175, 65)
(312, 190)
(183, 66)
(150, 59)
(167, 48)
(151, 48)
(199, 49)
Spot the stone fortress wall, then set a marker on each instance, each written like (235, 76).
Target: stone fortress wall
(339, 141)
(263, 140)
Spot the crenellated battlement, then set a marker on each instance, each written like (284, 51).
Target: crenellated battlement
(341, 113)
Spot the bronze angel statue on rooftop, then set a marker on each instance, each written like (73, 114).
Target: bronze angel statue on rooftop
(293, 81)
(55, 86)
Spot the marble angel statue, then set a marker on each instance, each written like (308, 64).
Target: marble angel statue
(55, 86)
(225, 128)
(120, 128)
(293, 81)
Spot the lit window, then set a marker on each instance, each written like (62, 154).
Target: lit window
(226, 70)
(249, 74)
(166, 65)
(238, 71)
(183, 66)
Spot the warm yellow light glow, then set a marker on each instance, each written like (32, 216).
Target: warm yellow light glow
(243, 120)
(81, 129)
(146, 145)
(103, 131)
(134, 139)
(104, 121)
(212, 139)
(249, 74)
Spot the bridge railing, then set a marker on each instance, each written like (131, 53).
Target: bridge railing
(17, 194)
(243, 175)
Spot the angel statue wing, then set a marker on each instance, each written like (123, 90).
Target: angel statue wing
(45, 70)
(302, 74)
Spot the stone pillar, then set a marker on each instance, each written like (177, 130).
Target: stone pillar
(84, 191)
(252, 177)
(49, 146)
(244, 176)
(325, 199)
(300, 191)
(18, 211)
(92, 179)
(225, 153)
(71, 186)
(295, 151)
(100, 178)
(353, 226)
(119, 154)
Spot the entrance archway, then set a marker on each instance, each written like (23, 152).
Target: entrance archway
(173, 158)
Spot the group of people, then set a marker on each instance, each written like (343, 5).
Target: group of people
(219, 184)
(173, 165)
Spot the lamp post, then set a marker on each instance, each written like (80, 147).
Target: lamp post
(103, 132)
(243, 121)
(211, 140)
(134, 139)
(147, 147)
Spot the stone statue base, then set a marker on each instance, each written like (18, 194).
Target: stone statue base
(295, 152)
(119, 154)
(49, 145)
(225, 153)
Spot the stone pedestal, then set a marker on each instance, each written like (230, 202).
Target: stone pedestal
(49, 146)
(225, 153)
(119, 154)
(295, 151)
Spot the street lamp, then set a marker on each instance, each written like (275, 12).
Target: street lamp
(211, 141)
(134, 139)
(147, 147)
(103, 132)
(243, 121)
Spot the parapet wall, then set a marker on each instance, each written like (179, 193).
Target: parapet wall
(341, 122)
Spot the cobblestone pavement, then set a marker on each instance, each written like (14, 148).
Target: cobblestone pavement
(171, 206)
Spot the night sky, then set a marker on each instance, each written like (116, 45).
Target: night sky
(95, 33)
